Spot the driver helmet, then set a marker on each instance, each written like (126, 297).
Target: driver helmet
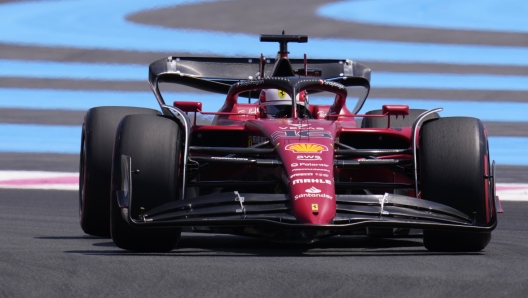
(276, 103)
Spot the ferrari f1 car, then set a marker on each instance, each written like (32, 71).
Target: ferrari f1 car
(279, 162)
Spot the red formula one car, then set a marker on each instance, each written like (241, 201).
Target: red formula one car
(276, 164)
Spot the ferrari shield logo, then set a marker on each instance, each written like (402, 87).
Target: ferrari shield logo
(282, 94)
(315, 207)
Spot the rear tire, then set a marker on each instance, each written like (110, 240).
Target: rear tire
(153, 143)
(97, 142)
(381, 122)
(454, 165)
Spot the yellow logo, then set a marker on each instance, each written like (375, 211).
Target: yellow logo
(315, 207)
(282, 94)
(306, 148)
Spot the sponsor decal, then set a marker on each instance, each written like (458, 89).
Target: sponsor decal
(301, 175)
(309, 174)
(310, 170)
(312, 195)
(309, 157)
(282, 94)
(249, 83)
(332, 84)
(306, 148)
(377, 160)
(313, 190)
(321, 114)
(229, 158)
(305, 164)
(251, 111)
(306, 128)
(300, 127)
(312, 180)
(315, 207)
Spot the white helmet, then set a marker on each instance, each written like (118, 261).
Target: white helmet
(276, 103)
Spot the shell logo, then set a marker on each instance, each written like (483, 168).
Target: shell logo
(306, 148)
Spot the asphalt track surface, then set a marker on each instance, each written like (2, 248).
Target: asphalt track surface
(44, 252)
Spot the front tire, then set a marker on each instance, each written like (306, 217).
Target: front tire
(454, 169)
(97, 142)
(153, 143)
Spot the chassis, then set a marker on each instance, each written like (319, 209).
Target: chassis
(145, 175)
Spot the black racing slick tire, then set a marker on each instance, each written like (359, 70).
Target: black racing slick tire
(381, 122)
(154, 145)
(97, 142)
(455, 172)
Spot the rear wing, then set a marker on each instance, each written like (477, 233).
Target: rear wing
(218, 74)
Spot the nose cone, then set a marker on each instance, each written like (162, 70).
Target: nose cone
(317, 211)
(313, 197)
(310, 169)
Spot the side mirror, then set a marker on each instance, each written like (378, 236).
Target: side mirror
(395, 110)
(188, 106)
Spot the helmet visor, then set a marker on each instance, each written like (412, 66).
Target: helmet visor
(279, 111)
(285, 111)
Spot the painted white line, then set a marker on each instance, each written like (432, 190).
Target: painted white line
(39, 180)
(70, 181)
(512, 192)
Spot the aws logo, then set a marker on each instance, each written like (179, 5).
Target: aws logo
(309, 157)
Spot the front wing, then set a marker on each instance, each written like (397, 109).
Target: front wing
(254, 209)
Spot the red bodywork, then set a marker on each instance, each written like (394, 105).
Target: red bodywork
(306, 149)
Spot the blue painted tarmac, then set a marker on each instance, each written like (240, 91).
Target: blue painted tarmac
(485, 15)
(101, 24)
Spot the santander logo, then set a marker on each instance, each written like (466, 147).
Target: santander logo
(313, 190)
